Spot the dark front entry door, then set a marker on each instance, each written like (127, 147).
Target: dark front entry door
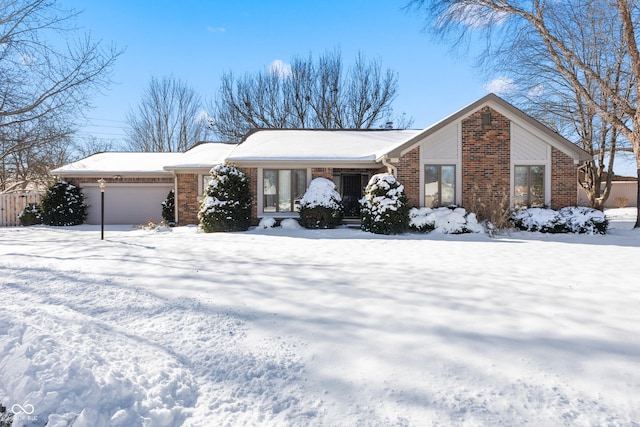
(351, 194)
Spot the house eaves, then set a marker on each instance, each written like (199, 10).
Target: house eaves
(205, 155)
(318, 146)
(119, 164)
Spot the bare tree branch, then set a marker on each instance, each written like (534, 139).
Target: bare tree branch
(311, 94)
(573, 36)
(169, 118)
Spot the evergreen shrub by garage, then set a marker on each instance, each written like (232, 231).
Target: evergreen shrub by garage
(63, 204)
(31, 215)
(384, 208)
(226, 205)
(169, 208)
(321, 205)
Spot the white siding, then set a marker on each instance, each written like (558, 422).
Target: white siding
(527, 147)
(442, 145)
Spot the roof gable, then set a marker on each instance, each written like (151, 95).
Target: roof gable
(506, 109)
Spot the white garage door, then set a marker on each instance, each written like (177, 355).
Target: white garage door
(126, 203)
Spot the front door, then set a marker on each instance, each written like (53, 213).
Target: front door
(351, 194)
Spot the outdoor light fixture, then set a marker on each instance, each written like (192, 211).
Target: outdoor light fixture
(102, 183)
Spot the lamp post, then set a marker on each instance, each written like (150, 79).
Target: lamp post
(102, 183)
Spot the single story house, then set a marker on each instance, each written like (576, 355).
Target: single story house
(487, 148)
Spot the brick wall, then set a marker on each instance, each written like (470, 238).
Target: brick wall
(409, 176)
(322, 173)
(485, 157)
(78, 181)
(564, 175)
(187, 198)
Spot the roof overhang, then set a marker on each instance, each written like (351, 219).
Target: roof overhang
(306, 163)
(110, 173)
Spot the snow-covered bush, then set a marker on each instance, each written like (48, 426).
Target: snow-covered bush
(448, 220)
(585, 220)
(226, 205)
(566, 220)
(266, 223)
(290, 224)
(169, 209)
(384, 208)
(63, 204)
(321, 205)
(30, 215)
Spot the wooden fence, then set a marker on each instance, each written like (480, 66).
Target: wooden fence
(11, 204)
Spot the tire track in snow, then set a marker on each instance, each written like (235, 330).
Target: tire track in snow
(172, 361)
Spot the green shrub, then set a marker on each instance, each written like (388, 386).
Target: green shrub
(321, 205)
(169, 209)
(226, 205)
(63, 204)
(384, 207)
(31, 215)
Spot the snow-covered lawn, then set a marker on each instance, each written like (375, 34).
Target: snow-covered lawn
(319, 328)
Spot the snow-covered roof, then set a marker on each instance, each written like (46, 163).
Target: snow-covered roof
(319, 145)
(119, 163)
(203, 155)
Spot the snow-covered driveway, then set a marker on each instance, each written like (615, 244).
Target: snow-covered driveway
(340, 327)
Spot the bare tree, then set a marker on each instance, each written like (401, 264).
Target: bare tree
(547, 95)
(307, 94)
(36, 147)
(552, 25)
(169, 118)
(47, 74)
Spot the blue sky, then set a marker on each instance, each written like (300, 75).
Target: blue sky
(197, 41)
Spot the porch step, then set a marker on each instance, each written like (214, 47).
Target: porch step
(351, 222)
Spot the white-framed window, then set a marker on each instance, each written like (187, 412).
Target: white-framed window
(439, 185)
(528, 186)
(204, 183)
(283, 189)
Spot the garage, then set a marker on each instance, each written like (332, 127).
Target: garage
(124, 203)
(136, 185)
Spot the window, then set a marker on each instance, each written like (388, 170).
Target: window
(528, 186)
(283, 189)
(205, 183)
(439, 185)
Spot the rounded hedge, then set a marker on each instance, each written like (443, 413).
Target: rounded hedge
(226, 205)
(321, 205)
(63, 204)
(384, 209)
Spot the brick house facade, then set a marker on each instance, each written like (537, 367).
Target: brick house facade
(489, 149)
